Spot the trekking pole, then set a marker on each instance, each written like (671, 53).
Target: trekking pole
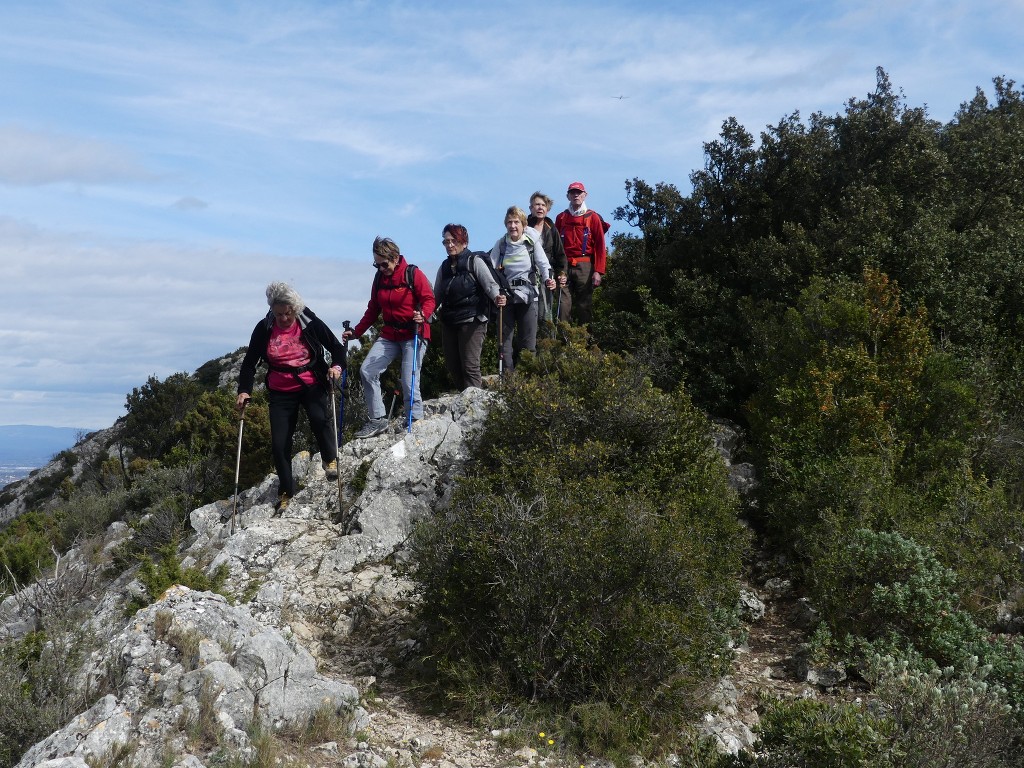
(344, 383)
(558, 299)
(501, 344)
(238, 465)
(416, 365)
(337, 438)
(394, 397)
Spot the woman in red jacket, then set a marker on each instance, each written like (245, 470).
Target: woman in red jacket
(401, 294)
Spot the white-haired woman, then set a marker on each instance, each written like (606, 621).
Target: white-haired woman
(295, 345)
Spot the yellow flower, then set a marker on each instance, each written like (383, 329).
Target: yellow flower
(551, 741)
(541, 734)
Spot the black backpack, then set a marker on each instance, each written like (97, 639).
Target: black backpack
(410, 271)
(499, 278)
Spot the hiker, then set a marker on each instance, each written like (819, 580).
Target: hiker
(540, 205)
(297, 347)
(582, 232)
(400, 293)
(465, 291)
(520, 256)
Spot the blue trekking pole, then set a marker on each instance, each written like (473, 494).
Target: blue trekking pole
(415, 365)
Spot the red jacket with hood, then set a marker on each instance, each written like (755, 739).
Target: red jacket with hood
(393, 299)
(583, 238)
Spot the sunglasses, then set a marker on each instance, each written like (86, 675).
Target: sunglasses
(381, 264)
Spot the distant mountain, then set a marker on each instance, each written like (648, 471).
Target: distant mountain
(29, 446)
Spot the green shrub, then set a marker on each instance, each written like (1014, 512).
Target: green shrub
(893, 595)
(591, 550)
(806, 733)
(943, 717)
(862, 424)
(40, 686)
(25, 548)
(157, 576)
(886, 594)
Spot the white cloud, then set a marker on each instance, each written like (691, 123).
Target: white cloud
(93, 317)
(190, 203)
(309, 127)
(29, 158)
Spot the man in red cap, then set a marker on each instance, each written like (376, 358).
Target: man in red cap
(582, 232)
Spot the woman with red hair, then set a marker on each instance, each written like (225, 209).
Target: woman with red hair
(465, 289)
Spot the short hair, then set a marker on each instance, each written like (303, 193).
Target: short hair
(547, 200)
(282, 293)
(458, 232)
(515, 212)
(386, 248)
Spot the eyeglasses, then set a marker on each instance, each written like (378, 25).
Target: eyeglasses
(447, 241)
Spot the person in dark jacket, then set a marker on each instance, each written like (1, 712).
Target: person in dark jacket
(540, 206)
(464, 289)
(295, 344)
(404, 299)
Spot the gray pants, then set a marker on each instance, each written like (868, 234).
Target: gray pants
(521, 318)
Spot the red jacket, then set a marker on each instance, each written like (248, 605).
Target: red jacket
(583, 238)
(392, 298)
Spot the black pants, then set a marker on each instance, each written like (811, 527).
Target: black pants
(284, 415)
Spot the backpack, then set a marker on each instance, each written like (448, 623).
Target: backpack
(498, 275)
(588, 219)
(544, 305)
(410, 272)
(533, 258)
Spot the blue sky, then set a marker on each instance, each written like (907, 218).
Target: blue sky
(161, 162)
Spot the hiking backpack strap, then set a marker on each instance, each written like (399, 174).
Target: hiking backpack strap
(529, 248)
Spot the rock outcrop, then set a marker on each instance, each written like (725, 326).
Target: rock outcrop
(307, 583)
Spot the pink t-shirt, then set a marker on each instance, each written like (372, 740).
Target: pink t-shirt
(286, 348)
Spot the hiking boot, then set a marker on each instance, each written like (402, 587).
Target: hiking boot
(372, 428)
(331, 469)
(282, 503)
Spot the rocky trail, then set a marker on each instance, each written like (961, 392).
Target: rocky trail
(328, 620)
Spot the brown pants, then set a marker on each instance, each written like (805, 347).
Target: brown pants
(462, 344)
(577, 294)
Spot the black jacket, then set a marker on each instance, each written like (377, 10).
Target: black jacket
(552, 244)
(324, 347)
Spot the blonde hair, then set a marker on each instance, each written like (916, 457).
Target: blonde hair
(515, 212)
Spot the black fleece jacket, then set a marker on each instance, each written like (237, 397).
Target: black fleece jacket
(314, 333)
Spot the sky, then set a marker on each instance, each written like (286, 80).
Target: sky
(162, 162)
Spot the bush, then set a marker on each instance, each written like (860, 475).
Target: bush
(806, 733)
(891, 594)
(25, 548)
(886, 594)
(40, 684)
(590, 553)
(159, 575)
(861, 424)
(942, 717)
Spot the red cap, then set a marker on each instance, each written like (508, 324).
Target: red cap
(577, 185)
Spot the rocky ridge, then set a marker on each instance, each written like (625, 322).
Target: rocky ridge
(325, 615)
